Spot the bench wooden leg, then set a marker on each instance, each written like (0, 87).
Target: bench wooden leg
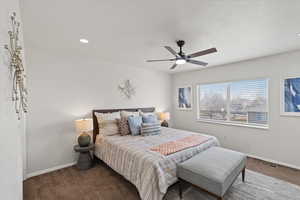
(243, 174)
(180, 188)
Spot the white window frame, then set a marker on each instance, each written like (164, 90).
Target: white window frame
(227, 121)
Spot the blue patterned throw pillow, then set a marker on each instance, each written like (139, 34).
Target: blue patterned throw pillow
(149, 119)
(135, 123)
(150, 129)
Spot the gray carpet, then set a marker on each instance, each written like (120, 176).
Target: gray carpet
(256, 187)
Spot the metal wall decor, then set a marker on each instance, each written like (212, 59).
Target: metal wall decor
(19, 92)
(127, 89)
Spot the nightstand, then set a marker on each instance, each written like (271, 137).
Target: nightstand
(85, 160)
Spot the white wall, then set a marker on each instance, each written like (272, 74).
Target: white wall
(11, 130)
(64, 88)
(281, 141)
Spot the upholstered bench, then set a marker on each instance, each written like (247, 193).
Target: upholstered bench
(213, 170)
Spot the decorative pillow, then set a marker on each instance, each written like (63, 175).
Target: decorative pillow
(126, 114)
(149, 118)
(108, 116)
(123, 126)
(135, 123)
(150, 129)
(109, 127)
(147, 113)
(107, 123)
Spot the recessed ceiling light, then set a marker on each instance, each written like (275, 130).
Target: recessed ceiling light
(85, 41)
(298, 34)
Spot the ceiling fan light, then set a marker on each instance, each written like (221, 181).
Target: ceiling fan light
(180, 61)
(84, 41)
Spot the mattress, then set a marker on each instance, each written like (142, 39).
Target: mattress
(151, 172)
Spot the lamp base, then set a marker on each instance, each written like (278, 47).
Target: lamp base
(165, 124)
(84, 140)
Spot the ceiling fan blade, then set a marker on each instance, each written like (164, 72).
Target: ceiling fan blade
(161, 60)
(173, 67)
(172, 51)
(198, 62)
(202, 53)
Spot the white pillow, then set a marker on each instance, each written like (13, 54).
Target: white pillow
(126, 114)
(107, 123)
(108, 116)
(108, 127)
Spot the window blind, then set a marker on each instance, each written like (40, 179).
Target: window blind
(244, 102)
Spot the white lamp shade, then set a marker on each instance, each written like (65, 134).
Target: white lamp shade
(164, 116)
(84, 125)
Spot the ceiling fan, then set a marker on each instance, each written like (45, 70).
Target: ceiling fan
(181, 58)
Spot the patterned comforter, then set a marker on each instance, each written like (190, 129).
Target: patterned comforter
(151, 172)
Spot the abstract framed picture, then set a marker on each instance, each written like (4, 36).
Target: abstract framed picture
(184, 98)
(290, 96)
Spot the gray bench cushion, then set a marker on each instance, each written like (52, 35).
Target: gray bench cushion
(213, 170)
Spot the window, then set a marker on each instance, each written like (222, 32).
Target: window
(240, 102)
(213, 101)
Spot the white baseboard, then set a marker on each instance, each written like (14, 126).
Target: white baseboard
(275, 162)
(44, 171)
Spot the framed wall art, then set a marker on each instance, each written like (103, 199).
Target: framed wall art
(290, 96)
(184, 98)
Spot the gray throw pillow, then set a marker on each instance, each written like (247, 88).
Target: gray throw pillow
(150, 129)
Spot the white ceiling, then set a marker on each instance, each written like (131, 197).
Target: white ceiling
(132, 31)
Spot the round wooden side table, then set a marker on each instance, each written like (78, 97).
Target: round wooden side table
(85, 160)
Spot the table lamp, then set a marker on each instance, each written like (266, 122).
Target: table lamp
(83, 127)
(165, 117)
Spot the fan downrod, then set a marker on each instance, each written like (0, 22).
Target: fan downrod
(180, 43)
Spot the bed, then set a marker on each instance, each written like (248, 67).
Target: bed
(151, 172)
